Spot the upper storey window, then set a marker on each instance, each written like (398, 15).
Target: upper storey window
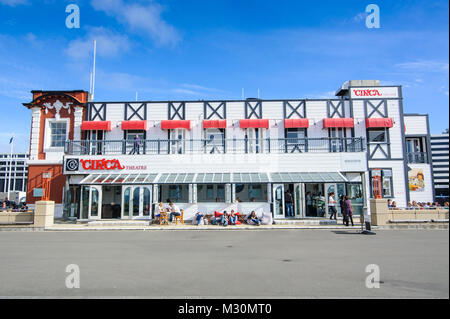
(377, 136)
(58, 133)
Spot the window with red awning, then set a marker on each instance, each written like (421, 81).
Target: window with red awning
(338, 122)
(214, 123)
(379, 122)
(296, 123)
(96, 126)
(174, 124)
(254, 123)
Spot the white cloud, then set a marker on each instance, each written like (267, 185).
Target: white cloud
(109, 44)
(13, 3)
(145, 19)
(359, 17)
(424, 66)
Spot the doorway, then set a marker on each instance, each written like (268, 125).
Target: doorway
(136, 202)
(286, 195)
(91, 197)
(111, 201)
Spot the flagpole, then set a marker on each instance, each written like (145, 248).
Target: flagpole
(10, 165)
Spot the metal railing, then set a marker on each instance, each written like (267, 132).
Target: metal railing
(417, 157)
(224, 146)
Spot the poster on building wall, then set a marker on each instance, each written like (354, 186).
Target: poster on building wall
(416, 180)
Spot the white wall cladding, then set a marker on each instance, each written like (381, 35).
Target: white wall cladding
(398, 178)
(416, 125)
(157, 111)
(273, 109)
(316, 111)
(427, 194)
(395, 132)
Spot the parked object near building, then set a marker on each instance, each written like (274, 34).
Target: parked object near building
(219, 155)
(440, 157)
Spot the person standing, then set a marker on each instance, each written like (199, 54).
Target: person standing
(348, 211)
(136, 145)
(309, 204)
(288, 200)
(332, 206)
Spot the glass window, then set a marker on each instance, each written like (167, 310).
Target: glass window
(385, 177)
(376, 136)
(58, 132)
(174, 193)
(251, 192)
(211, 193)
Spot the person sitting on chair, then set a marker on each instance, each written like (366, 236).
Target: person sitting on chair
(174, 211)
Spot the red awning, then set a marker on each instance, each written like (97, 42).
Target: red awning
(96, 125)
(262, 123)
(296, 123)
(134, 125)
(214, 123)
(339, 122)
(379, 122)
(173, 124)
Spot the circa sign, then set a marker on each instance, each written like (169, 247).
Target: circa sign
(102, 164)
(375, 92)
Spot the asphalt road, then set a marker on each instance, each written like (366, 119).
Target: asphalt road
(273, 263)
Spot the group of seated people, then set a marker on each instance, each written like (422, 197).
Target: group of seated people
(7, 204)
(419, 205)
(225, 219)
(172, 209)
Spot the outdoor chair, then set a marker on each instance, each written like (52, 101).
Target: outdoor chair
(181, 218)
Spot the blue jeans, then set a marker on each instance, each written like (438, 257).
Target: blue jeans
(199, 219)
(290, 210)
(223, 220)
(255, 220)
(233, 220)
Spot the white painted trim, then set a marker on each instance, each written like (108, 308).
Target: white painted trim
(47, 132)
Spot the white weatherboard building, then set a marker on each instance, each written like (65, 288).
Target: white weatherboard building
(118, 159)
(439, 152)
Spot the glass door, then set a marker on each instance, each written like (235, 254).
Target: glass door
(278, 200)
(96, 142)
(255, 140)
(214, 141)
(90, 202)
(136, 202)
(177, 141)
(298, 200)
(336, 138)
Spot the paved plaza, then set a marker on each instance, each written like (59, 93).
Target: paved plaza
(239, 264)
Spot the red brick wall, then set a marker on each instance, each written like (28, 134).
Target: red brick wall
(57, 182)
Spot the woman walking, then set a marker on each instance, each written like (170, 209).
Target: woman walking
(332, 206)
(347, 210)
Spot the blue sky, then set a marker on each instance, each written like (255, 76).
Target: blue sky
(173, 49)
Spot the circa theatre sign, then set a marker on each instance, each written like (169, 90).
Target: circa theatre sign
(102, 164)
